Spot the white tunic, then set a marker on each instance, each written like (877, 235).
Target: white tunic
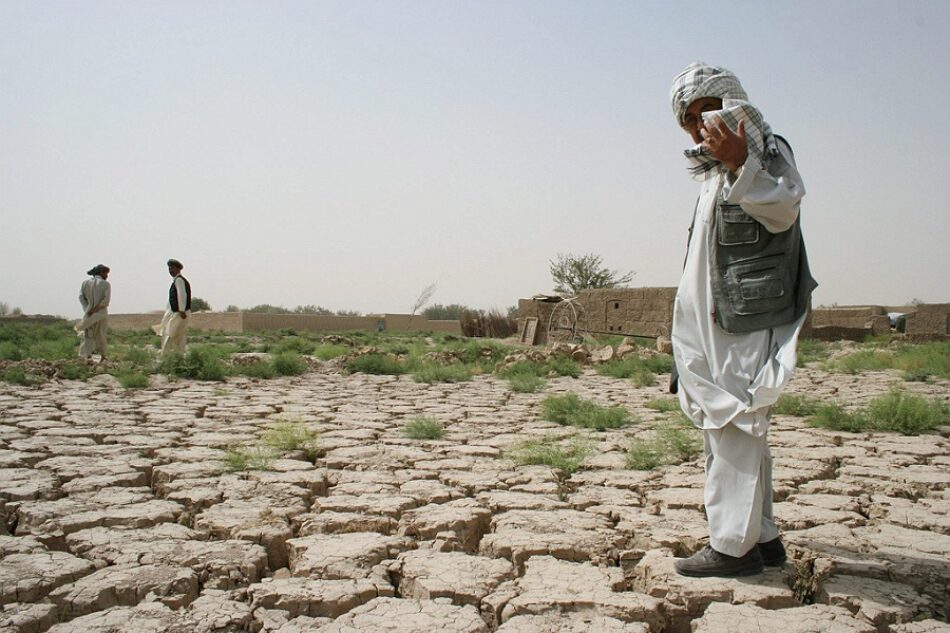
(94, 292)
(733, 378)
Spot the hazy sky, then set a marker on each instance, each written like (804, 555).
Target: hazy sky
(348, 154)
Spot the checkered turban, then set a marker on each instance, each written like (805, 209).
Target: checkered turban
(700, 80)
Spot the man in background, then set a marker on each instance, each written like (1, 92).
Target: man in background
(174, 326)
(94, 296)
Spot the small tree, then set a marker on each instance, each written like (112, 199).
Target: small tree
(200, 305)
(573, 273)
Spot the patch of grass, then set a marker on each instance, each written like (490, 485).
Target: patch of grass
(330, 351)
(833, 416)
(10, 351)
(563, 366)
(423, 428)
(137, 356)
(432, 373)
(643, 377)
(571, 410)
(201, 363)
(549, 451)
(664, 405)
(896, 411)
(905, 413)
(289, 435)
(673, 442)
(258, 369)
(74, 371)
(288, 364)
(252, 458)
(375, 364)
(921, 361)
(812, 351)
(633, 366)
(862, 361)
(131, 378)
(18, 376)
(294, 344)
(798, 405)
(523, 368)
(525, 383)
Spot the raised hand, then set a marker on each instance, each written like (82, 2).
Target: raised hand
(728, 147)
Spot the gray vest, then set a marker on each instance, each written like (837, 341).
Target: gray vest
(759, 279)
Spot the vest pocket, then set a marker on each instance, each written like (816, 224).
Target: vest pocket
(736, 227)
(759, 285)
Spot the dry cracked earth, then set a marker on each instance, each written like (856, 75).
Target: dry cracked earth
(118, 517)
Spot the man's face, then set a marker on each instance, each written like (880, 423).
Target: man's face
(174, 270)
(104, 274)
(693, 119)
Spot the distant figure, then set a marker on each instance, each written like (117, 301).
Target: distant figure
(174, 326)
(739, 309)
(94, 296)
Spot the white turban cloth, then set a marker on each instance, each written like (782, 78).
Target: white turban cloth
(700, 80)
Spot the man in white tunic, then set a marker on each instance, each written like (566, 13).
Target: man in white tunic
(739, 309)
(94, 296)
(174, 326)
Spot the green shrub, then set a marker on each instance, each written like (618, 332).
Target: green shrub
(863, 360)
(833, 416)
(432, 373)
(257, 369)
(525, 383)
(132, 379)
(633, 366)
(798, 405)
(663, 404)
(74, 371)
(294, 344)
(327, 352)
(523, 368)
(673, 442)
(643, 377)
(571, 410)
(423, 428)
(812, 350)
(10, 351)
(201, 363)
(375, 364)
(253, 458)
(289, 364)
(563, 366)
(288, 435)
(908, 414)
(18, 376)
(138, 356)
(921, 361)
(549, 451)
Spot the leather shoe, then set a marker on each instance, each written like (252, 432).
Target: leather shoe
(773, 553)
(709, 562)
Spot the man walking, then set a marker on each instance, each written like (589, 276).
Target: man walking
(94, 296)
(174, 326)
(739, 309)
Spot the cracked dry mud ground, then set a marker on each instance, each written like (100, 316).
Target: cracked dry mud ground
(118, 519)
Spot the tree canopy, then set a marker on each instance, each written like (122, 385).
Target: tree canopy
(573, 273)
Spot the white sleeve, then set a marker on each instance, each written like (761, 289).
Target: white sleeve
(182, 296)
(772, 200)
(83, 301)
(107, 296)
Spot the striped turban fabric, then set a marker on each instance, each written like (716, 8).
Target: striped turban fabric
(700, 80)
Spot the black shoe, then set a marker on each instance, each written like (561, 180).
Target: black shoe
(773, 553)
(709, 562)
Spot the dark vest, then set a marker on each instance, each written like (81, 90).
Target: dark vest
(759, 279)
(173, 296)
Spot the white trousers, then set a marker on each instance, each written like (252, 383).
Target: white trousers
(174, 331)
(738, 492)
(93, 339)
